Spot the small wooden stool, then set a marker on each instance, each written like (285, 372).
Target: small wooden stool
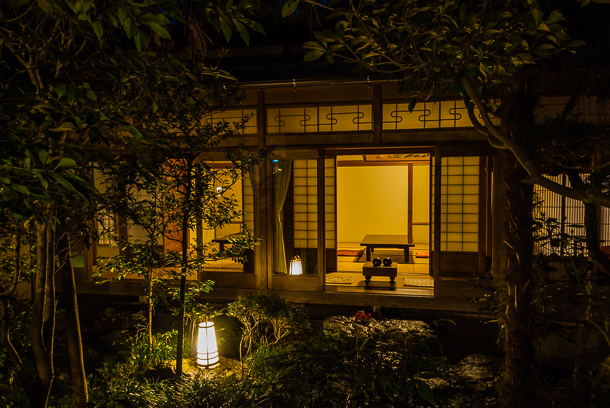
(368, 270)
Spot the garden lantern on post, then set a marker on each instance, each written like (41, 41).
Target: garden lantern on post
(207, 349)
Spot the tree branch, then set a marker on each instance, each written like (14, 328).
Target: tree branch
(478, 126)
(535, 177)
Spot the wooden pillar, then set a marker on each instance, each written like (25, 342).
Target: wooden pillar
(436, 261)
(261, 118)
(321, 191)
(410, 200)
(482, 215)
(377, 114)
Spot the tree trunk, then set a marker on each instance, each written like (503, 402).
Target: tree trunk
(75, 345)
(518, 388)
(43, 316)
(184, 241)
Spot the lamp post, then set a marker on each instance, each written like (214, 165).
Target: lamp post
(207, 349)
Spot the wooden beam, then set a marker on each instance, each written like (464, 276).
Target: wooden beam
(321, 139)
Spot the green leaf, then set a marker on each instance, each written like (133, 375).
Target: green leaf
(122, 14)
(289, 7)
(64, 127)
(463, 13)
(537, 14)
(60, 89)
(425, 392)
(63, 182)
(243, 32)
(226, 30)
(257, 27)
(43, 181)
(161, 31)
(544, 47)
(44, 198)
(46, 6)
(111, 19)
(98, 29)
(140, 40)
(43, 155)
(313, 55)
(412, 104)
(71, 93)
(135, 132)
(66, 162)
(19, 188)
(574, 44)
(129, 27)
(156, 17)
(554, 17)
(91, 95)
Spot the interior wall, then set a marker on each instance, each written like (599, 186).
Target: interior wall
(371, 200)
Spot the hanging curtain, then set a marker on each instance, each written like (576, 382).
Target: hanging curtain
(282, 171)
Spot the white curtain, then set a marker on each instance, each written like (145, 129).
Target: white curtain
(282, 172)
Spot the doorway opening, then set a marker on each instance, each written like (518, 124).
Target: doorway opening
(383, 198)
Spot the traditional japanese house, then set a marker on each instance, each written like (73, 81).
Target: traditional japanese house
(351, 160)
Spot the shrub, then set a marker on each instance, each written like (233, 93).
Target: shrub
(266, 319)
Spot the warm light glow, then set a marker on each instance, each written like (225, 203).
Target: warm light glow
(207, 350)
(296, 267)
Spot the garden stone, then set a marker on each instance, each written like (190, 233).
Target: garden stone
(402, 332)
(563, 348)
(115, 338)
(477, 372)
(112, 319)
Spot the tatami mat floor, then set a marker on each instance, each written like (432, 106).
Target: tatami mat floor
(416, 270)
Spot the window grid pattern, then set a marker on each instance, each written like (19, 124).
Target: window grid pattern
(329, 202)
(568, 212)
(425, 115)
(105, 228)
(305, 203)
(248, 202)
(137, 233)
(459, 204)
(236, 116)
(315, 119)
(604, 236)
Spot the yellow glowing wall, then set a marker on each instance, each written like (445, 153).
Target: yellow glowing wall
(371, 200)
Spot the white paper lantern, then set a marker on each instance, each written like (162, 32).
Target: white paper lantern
(207, 349)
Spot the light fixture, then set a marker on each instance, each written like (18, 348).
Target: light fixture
(296, 267)
(207, 350)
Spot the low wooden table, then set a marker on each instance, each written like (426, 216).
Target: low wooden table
(372, 241)
(222, 241)
(368, 270)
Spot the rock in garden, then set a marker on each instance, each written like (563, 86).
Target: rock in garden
(112, 319)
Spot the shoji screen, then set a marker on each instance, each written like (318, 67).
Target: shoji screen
(459, 204)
